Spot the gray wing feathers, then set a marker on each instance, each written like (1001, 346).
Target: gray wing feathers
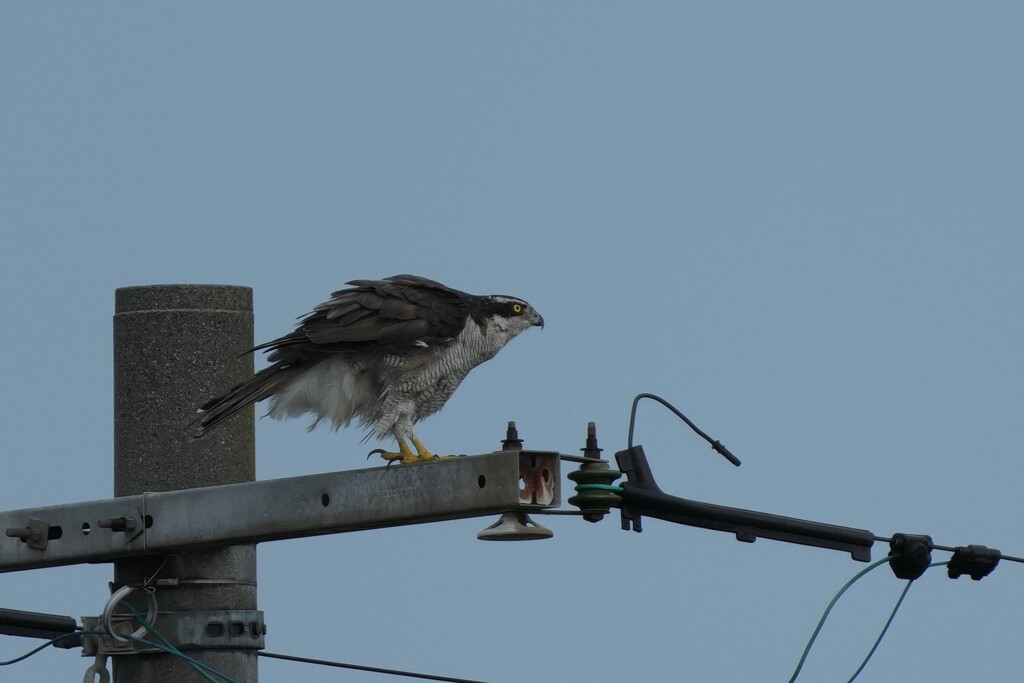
(397, 315)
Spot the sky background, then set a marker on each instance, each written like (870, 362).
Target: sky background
(802, 223)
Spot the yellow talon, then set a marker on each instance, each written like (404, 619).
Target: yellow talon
(405, 454)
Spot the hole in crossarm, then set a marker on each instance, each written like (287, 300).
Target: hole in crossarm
(481, 481)
(54, 532)
(86, 528)
(325, 500)
(148, 521)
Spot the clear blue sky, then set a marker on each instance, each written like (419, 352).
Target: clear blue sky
(803, 223)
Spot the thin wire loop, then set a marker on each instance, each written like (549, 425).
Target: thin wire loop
(115, 599)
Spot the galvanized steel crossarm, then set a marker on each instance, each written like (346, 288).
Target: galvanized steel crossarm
(310, 505)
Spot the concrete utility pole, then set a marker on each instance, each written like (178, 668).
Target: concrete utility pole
(174, 347)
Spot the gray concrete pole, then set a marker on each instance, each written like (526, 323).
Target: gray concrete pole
(176, 346)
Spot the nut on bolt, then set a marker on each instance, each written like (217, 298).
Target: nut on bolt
(36, 534)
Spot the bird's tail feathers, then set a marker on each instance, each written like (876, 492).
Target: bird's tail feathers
(264, 383)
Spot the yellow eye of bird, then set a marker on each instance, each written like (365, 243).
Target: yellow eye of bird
(516, 308)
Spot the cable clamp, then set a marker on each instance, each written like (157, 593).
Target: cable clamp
(232, 629)
(910, 555)
(975, 560)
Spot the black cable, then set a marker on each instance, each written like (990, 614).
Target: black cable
(715, 444)
(50, 642)
(952, 549)
(362, 667)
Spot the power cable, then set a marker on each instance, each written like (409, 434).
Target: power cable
(888, 623)
(881, 635)
(831, 604)
(52, 641)
(371, 669)
(202, 669)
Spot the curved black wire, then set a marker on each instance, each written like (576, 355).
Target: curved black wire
(715, 444)
(64, 636)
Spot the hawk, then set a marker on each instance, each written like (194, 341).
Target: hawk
(385, 352)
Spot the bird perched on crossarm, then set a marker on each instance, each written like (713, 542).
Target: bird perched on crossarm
(386, 352)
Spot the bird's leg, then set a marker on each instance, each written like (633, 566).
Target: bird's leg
(421, 449)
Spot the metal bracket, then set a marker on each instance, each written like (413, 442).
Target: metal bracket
(215, 629)
(538, 478)
(198, 630)
(105, 643)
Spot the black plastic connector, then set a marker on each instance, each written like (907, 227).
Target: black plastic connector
(977, 561)
(38, 625)
(910, 555)
(641, 496)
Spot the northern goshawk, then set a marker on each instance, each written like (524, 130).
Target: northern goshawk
(386, 352)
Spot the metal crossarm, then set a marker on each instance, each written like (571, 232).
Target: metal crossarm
(293, 507)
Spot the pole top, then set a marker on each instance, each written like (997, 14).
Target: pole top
(140, 298)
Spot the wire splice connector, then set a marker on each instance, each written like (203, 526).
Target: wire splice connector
(977, 561)
(910, 555)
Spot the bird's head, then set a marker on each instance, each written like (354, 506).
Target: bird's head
(508, 314)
